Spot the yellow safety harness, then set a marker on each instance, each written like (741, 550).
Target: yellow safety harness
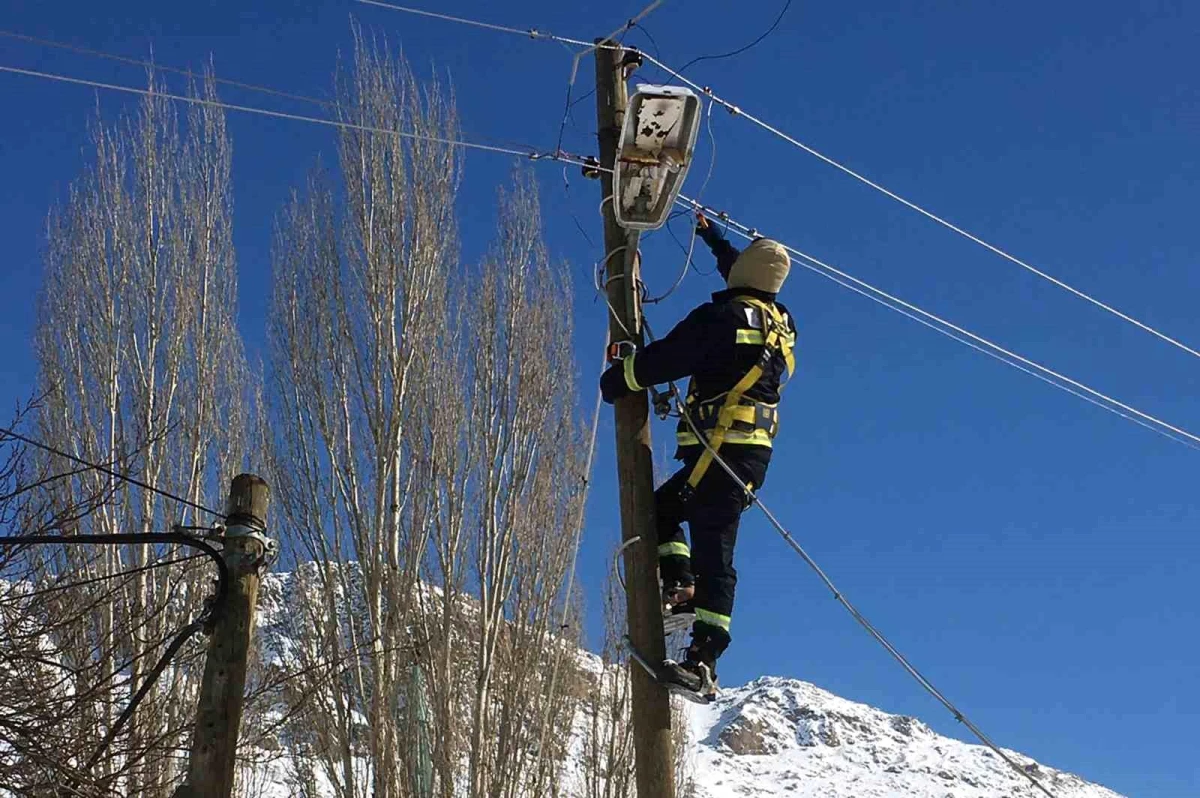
(738, 420)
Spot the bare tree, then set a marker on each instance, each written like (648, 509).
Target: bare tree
(141, 367)
(360, 293)
(426, 457)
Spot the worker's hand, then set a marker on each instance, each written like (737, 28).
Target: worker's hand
(612, 383)
(701, 221)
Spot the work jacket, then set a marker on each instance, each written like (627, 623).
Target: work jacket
(716, 345)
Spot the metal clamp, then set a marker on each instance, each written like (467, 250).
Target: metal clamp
(270, 548)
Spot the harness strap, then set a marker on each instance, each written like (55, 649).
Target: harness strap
(775, 339)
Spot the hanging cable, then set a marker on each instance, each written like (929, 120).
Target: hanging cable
(744, 48)
(95, 580)
(217, 605)
(110, 472)
(687, 260)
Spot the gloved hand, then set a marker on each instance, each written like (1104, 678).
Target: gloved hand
(707, 231)
(612, 383)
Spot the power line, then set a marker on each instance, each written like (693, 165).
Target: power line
(682, 411)
(153, 65)
(57, 588)
(105, 470)
(532, 155)
(928, 214)
(840, 597)
(737, 111)
(744, 48)
(912, 311)
(180, 638)
(579, 522)
(532, 33)
(962, 335)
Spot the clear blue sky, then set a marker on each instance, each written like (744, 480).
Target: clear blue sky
(1033, 554)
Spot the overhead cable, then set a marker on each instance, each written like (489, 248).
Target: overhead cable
(532, 33)
(106, 470)
(181, 636)
(840, 597)
(532, 155)
(155, 66)
(743, 48)
(737, 111)
(914, 312)
(965, 336)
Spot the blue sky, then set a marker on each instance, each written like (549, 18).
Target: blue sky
(1034, 555)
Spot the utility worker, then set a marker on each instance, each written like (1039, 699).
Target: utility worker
(735, 349)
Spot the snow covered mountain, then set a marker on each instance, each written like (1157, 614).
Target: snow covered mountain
(782, 738)
(772, 738)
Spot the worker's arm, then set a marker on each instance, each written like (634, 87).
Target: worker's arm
(726, 253)
(676, 355)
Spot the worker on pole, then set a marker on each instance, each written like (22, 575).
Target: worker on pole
(735, 349)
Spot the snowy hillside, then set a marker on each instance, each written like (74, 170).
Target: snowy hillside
(777, 738)
(773, 738)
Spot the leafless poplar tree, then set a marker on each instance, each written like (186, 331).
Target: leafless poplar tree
(141, 368)
(426, 458)
(359, 300)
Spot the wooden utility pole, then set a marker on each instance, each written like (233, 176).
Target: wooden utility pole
(219, 711)
(635, 473)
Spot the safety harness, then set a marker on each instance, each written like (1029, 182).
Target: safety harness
(731, 417)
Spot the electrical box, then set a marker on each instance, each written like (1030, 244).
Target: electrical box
(654, 153)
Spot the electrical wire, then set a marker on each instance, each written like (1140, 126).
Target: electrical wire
(154, 65)
(737, 111)
(57, 588)
(108, 471)
(180, 638)
(962, 335)
(533, 156)
(744, 48)
(687, 260)
(532, 33)
(840, 597)
(579, 522)
(929, 214)
(682, 411)
(924, 317)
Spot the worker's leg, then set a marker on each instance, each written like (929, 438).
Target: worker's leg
(714, 514)
(674, 556)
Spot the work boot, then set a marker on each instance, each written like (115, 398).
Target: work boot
(693, 674)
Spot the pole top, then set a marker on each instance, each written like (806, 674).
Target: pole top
(247, 505)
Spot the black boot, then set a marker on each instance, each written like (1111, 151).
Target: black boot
(697, 673)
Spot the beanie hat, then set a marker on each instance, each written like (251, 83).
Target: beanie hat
(763, 265)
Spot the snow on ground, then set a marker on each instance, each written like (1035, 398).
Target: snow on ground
(780, 737)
